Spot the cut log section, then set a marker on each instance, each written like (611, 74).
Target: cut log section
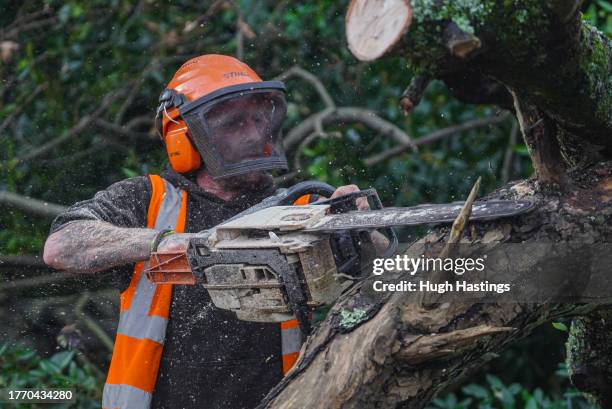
(373, 27)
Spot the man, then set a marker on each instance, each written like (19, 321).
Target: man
(220, 124)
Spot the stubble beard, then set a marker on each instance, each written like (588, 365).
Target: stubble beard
(249, 182)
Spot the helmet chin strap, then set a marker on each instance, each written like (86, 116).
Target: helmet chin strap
(168, 116)
(157, 127)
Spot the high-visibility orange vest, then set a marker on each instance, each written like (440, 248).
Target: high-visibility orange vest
(144, 312)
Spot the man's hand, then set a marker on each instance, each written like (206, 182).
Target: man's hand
(362, 202)
(175, 243)
(380, 241)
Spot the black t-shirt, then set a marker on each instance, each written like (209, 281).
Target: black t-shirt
(210, 358)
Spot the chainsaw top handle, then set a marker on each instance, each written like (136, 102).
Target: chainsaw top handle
(305, 188)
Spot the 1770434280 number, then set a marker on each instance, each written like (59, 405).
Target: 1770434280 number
(29, 395)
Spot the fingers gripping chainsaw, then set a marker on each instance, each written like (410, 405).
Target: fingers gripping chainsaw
(275, 261)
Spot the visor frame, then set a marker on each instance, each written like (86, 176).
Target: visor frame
(213, 160)
(233, 89)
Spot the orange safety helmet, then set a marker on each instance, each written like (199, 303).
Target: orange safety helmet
(200, 92)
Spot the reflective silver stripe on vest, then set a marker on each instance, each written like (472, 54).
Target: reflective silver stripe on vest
(169, 209)
(151, 327)
(125, 397)
(136, 322)
(292, 340)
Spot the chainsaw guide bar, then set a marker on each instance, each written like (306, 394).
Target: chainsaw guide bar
(419, 215)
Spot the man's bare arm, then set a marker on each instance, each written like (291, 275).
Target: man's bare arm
(90, 246)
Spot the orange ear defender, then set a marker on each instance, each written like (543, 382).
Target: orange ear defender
(183, 157)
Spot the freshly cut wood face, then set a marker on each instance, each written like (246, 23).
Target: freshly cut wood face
(375, 26)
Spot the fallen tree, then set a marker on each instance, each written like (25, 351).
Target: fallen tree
(555, 72)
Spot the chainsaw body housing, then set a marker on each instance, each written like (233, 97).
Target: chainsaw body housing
(259, 264)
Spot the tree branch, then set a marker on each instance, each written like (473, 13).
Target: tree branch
(38, 281)
(121, 130)
(299, 72)
(436, 136)
(543, 147)
(414, 92)
(307, 141)
(589, 355)
(16, 111)
(80, 126)
(560, 64)
(137, 122)
(29, 205)
(22, 261)
(451, 244)
(344, 115)
(13, 33)
(417, 349)
(508, 164)
(211, 10)
(90, 323)
(133, 92)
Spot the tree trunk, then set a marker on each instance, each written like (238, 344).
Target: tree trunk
(394, 350)
(589, 356)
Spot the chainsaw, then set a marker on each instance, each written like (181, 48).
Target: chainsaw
(275, 261)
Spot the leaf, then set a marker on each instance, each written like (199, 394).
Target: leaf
(129, 172)
(560, 326)
(439, 403)
(520, 150)
(64, 13)
(451, 400)
(62, 359)
(25, 355)
(515, 389)
(495, 382)
(607, 6)
(531, 404)
(49, 367)
(476, 391)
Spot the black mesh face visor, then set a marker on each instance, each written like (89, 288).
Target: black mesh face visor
(240, 131)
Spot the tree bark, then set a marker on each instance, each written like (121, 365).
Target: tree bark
(556, 71)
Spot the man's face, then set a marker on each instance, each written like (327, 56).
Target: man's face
(243, 128)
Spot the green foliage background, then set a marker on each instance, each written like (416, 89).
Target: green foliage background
(85, 52)
(65, 62)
